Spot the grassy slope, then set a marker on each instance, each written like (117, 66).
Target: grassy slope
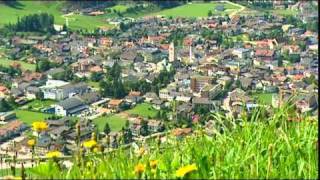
(10, 15)
(196, 10)
(6, 62)
(267, 148)
(26, 66)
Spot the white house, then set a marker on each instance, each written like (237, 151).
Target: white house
(70, 107)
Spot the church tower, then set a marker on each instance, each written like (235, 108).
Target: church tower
(172, 53)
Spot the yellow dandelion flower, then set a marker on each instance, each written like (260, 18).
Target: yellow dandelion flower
(139, 168)
(54, 154)
(153, 164)
(90, 144)
(31, 142)
(39, 126)
(181, 172)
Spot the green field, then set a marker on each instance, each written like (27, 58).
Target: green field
(242, 37)
(119, 8)
(26, 66)
(284, 12)
(38, 104)
(144, 110)
(10, 14)
(7, 62)
(29, 117)
(264, 97)
(281, 12)
(116, 122)
(197, 10)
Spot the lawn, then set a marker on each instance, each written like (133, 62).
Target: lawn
(243, 37)
(94, 84)
(264, 97)
(38, 104)
(26, 66)
(52, 7)
(116, 122)
(197, 10)
(29, 117)
(144, 110)
(119, 8)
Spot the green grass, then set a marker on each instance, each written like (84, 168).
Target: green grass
(52, 7)
(38, 104)
(144, 110)
(120, 8)
(264, 97)
(94, 84)
(263, 148)
(284, 12)
(281, 12)
(243, 37)
(26, 66)
(197, 10)
(29, 117)
(116, 122)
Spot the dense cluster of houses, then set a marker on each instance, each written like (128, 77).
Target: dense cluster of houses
(208, 77)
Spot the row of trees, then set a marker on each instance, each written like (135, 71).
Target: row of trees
(34, 23)
(112, 85)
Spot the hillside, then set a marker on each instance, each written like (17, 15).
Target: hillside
(259, 148)
(10, 14)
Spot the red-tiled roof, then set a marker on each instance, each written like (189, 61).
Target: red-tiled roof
(264, 52)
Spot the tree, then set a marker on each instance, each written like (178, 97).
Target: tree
(127, 124)
(106, 129)
(144, 131)
(209, 13)
(127, 135)
(280, 61)
(4, 106)
(43, 65)
(96, 76)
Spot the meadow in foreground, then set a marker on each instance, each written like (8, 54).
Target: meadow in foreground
(258, 147)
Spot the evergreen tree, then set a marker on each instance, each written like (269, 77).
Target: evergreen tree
(106, 129)
(4, 106)
(144, 131)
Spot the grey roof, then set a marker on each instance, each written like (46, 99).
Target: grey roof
(33, 89)
(90, 97)
(198, 100)
(80, 85)
(71, 103)
(54, 71)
